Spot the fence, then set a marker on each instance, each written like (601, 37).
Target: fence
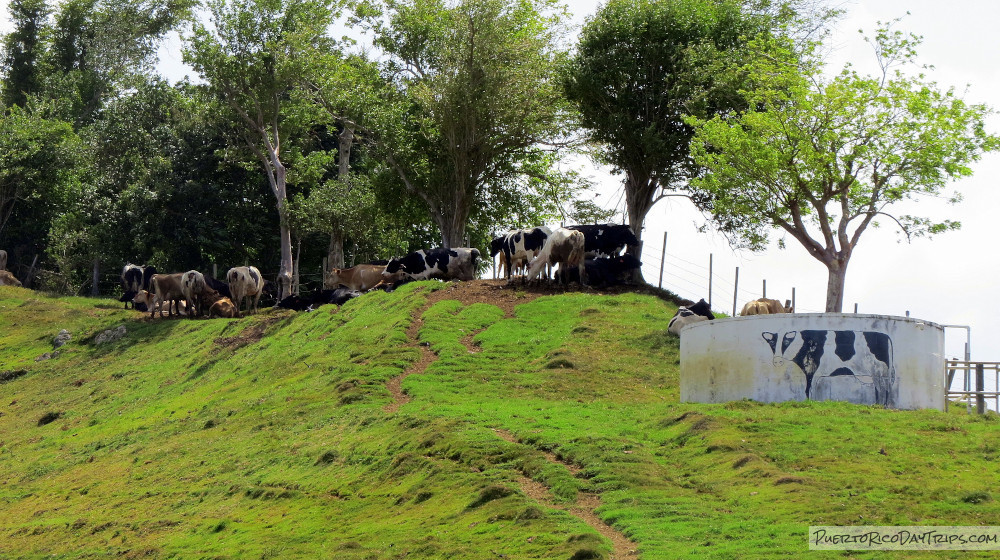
(974, 384)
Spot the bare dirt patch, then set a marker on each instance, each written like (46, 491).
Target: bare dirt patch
(248, 336)
(584, 508)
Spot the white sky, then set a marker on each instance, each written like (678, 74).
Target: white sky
(949, 279)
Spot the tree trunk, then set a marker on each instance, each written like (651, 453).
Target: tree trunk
(452, 229)
(835, 285)
(285, 234)
(335, 253)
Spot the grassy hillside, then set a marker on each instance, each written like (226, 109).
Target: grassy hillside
(282, 436)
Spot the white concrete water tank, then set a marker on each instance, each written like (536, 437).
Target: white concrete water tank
(897, 362)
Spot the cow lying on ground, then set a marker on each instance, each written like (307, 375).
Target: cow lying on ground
(764, 306)
(8, 279)
(687, 315)
(564, 247)
(604, 271)
(606, 239)
(245, 282)
(457, 263)
(340, 296)
(362, 277)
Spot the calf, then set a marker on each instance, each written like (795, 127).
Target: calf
(8, 279)
(222, 307)
(245, 282)
(606, 239)
(829, 359)
(457, 263)
(763, 306)
(687, 315)
(167, 288)
(564, 247)
(362, 277)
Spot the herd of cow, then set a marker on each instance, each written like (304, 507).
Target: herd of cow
(587, 254)
(701, 311)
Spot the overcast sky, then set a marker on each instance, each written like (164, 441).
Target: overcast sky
(949, 279)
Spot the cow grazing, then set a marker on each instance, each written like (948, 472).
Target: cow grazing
(362, 277)
(457, 263)
(8, 279)
(245, 282)
(606, 239)
(687, 315)
(167, 288)
(604, 271)
(197, 292)
(763, 306)
(564, 247)
(839, 362)
(3, 259)
(520, 246)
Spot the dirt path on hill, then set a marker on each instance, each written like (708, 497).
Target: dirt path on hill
(584, 508)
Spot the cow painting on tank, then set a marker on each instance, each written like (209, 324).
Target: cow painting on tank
(855, 366)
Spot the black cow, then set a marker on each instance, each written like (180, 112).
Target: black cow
(219, 286)
(832, 357)
(457, 263)
(340, 296)
(604, 271)
(135, 278)
(606, 239)
(686, 315)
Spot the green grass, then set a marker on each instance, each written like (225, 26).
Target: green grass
(265, 437)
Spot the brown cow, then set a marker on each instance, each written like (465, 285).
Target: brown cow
(763, 306)
(222, 307)
(167, 288)
(361, 278)
(8, 279)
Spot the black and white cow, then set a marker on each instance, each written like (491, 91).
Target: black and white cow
(604, 271)
(836, 361)
(340, 296)
(522, 245)
(457, 263)
(686, 315)
(134, 279)
(564, 247)
(606, 239)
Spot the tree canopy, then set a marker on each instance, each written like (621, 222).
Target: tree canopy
(822, 159)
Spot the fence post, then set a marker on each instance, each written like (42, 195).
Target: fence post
(980, 387)
(95, 289)
(215, 270)
(663, 258)
(855, 308)
(793, 299)
(31, 273)
(736, 289)
(763, 291)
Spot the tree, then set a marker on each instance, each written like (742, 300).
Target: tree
(474, 104)
(252, 59)
(822, 158)
(640, 67)
(22, 50)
